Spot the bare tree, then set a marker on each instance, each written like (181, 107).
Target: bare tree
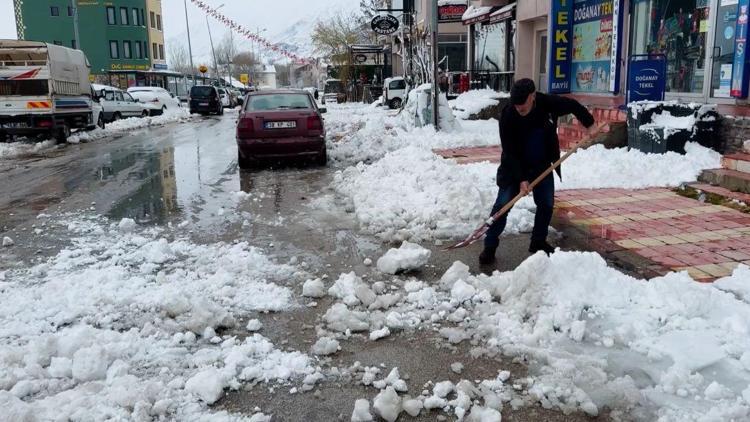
(178, 58)
(244, 62)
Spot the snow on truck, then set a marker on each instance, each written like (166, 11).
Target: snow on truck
(44, 90)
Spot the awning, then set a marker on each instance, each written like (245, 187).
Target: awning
(476, 14)
(503, 14)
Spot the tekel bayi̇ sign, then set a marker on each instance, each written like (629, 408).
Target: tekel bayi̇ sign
(451, 12)
(384, 24)
(739, 75)
(595, 45)
(560, 42)
(647, 77)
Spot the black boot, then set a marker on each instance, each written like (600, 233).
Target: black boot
(542, 245)
(487, 256)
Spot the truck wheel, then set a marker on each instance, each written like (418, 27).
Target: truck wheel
(62, 134)
(395, 103)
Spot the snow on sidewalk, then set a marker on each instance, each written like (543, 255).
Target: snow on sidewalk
(118, 325)
(26, 147)
(668, 349)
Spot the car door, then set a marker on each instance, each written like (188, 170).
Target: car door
(134, 107)
(119, 104)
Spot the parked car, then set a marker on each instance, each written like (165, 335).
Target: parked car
(98, 114)
(118, 104)
(238, 96)
(163, 98)
(280, 124)
(44, 90)
(334, 91)
(394, 91)
(204, 99)
(226, 97)
(150, 103)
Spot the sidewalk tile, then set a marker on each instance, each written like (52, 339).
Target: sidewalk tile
(714, 270)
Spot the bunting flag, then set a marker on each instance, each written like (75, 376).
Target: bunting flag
(234, 26)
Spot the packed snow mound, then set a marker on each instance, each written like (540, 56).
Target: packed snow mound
(123, 311)
(356, 133)
(409, 256)
(472, 102)
(413, 194)
(418, 110)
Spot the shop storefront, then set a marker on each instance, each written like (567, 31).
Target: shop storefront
(492, 53)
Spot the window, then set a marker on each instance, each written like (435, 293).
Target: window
(279, 101)
(143, 19)
(54, 11)
(123, 16)
(135, 16)
(399, 84)
(114, 50)
(74, 44)
(111, 17)
(145, 50)
(126, 50)
(161, 51)
(138, 50)
(156, 51)
(118, 96)
(127, 97)
(70, 10)
(153, 20)
(24, 87)
(158, 22)
(57, 42)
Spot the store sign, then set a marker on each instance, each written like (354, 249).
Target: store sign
(244, 78)
(384, 24)
(739, 73)
(560, 42)
(596, 45)
(126, 66)
(159, 66)
(451, 12)
(647, 77)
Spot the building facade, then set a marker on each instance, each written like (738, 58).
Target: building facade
(117, 36)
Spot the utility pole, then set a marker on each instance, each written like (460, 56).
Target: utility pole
(213, 52)
(74, 4)
(435, 89)
(190, 47)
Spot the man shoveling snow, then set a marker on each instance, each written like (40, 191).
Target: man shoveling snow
(528, 132)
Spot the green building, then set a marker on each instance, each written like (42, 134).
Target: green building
(114, 34)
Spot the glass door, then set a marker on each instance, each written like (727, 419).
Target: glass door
(541, 48)
(722, 53)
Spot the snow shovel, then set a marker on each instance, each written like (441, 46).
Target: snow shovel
(482, 230)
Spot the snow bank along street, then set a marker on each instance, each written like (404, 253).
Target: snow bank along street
(142, 321)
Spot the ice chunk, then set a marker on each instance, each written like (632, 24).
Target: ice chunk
(7, 241)
(462, 291)
(457, 271)
(577, 330)
(409, 256)
(413, 407)
(442, 389)
(361, 411)
(325, 346)
(90, 363)
(60, 367)
(387, 404)
(365, 295)
(314, 288)
(367, 262)
(345, 288)
(126, 225)
(260, 417)
(15, 410)
(340, 318)
(716, 391)
(457, 367)
(381, 333)
(207, 385)
(484, 414)
(254, 325)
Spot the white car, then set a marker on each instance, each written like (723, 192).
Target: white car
(226, 100)
(155, 95)
(394, 91)
(118, 104)
(150, 102)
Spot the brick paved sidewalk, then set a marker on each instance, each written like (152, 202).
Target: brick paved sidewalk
(674, 232)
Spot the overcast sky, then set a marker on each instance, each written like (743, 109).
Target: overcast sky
(250, 13)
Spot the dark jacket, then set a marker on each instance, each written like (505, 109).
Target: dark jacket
(515, 129)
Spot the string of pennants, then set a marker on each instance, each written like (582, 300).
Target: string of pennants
(247, 33)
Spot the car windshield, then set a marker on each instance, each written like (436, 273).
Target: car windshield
(201, 91)
(278, 102)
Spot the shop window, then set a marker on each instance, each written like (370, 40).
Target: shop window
(54, 11)
(723, 49)
(490, 54)
(679, 30)
(111, 16)
(123, 16)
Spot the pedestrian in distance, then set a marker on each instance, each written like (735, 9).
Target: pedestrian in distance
(528, 133)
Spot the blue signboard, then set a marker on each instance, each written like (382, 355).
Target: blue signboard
(560, 46)
(647, 77)
(739, 75)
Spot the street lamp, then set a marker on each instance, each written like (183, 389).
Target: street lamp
(190, 47)
(210, 38)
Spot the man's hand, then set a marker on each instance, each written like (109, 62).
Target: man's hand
(524, 188)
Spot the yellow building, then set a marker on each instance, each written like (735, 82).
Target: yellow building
(155, 24)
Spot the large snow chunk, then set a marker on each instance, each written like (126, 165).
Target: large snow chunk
(457, 271)
(413, 407)
(409, 256)
(345, 288)
(207, 384)
(15, 410)
(387, 404)
(325, 346)
(7, 241)
(484, 414)
(90, 364)
(462, 291)
(361, 411)
(314, 288)
(126, 225)
(340, 318)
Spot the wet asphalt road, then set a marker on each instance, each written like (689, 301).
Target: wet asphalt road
(188, 172)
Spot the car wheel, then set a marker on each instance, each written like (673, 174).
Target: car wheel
(62, 133)
(322, 158)
(116, 117)
(3, 137)
(395, 103)
(100, 122)
(221, 111)
(145, 113)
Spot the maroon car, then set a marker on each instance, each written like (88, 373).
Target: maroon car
(280, 124)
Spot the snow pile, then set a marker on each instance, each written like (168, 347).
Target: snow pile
(172, 115)
(409, 256)
(418, 110)
(110, 327)
(472, 102)
(314, 288)
(25, 147)
(412, 194)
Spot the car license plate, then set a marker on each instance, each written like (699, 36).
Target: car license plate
(204, 104)
(15, 125)
(281, 125)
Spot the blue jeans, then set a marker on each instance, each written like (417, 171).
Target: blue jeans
(544, 198)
